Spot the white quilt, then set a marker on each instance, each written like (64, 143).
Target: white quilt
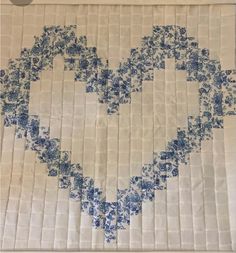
(118, 127)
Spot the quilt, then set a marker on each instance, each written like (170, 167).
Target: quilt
(118, 127)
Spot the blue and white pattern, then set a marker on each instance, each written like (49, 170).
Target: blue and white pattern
(165, 42)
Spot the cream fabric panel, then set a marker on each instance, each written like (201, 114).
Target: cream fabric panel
(195, 212)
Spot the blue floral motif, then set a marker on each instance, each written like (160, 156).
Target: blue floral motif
(217, 97)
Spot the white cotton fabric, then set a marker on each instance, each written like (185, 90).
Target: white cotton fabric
(36, 214)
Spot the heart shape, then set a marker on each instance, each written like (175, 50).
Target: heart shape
(216, 95)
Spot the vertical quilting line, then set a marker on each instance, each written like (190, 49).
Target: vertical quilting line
(49, 129)
(22, 169)
(201, 156)
(32, 226)
(192, 31)
(130, 122)
(176, 121)
(143, 127)
(172, 196)
(130, 125)
(70, 20)
(3, 136)
(109, 85)
(81, 8)
(123, 163)
(188, 25)
(100, 126)
(177, 22)
(176, 97)
(81, 157)
(160, 214)
(118, 134)
(212, 188)
(213, 142)
(87, 243)
(110, 232)
(140, 247)
(155, 177)
(20, 197)
(148, 193)
(64, 177)
(107, 88)
(93, 245)
(49, 20)
(95, 133)
(118, 63)
(200, 149)
(143, 131)
(91, 10)
(82, 245)
(30, 215)
(44, 220)
(154, 133)
(189, 156)
(31, 242)
(130, 148)
(165, 135)
(153, 137)
(44, 195)
(191, 247)
(117, 138)
(34, 162)
(141, 216)
(102, 139)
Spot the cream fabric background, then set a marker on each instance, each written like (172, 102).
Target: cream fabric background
(33, 207)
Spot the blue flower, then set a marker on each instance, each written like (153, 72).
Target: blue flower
(83, 63)
(175, 172)
(182, 30)
(13, 95)
(2, 73)
(52, 173)
(36, 50)
(23, 120)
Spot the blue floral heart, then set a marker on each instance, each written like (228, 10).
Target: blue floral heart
(166, 41)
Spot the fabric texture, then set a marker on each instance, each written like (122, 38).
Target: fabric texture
(118, 127)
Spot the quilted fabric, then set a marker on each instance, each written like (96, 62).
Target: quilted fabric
(118, 127)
